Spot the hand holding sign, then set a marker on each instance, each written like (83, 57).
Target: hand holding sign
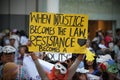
(34, 57)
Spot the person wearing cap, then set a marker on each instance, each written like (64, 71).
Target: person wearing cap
(12, 41)
(8, 55)
(14, 35)
(23, 38)
(59, 71)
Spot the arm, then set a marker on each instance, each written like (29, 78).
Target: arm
(74, 66)
(39, 67)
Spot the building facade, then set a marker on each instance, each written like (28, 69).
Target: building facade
(102, 14)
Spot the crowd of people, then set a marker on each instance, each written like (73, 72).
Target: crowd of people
(105, 66)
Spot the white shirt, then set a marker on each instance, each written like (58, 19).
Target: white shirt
(23, 40)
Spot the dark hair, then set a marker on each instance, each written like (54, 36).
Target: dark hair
(95, 46)
(25, 46)
(23, 33)
(94, 63)
(77, 75)
(75, 55)
(64, 64)
(71, 59)
(117, 30)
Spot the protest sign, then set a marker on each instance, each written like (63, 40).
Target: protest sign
(58, 32)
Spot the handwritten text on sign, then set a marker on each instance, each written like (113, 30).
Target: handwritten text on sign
(57, 32)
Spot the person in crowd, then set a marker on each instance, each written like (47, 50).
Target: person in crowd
(93, 69)
(70, 61)
(1, 38)
(107, 66)
(60, 71)
(91, 66)
(96, 48)
(23, 38)
(12, 41)
(108, 38)
(110, 45)
(0, 55)
(116, 47)
(14, 34)
(5, 38)
(8, 55)
(98, 37)
(45, 57)
(105, 49)
(102, 44)
(117, 36)
(9, 71)
(23, 51)
(80, 74)
(116, 50)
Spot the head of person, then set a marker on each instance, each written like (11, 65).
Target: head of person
(70, 61)
(23, 49)
(14, 31)
(81, 74)
(8, 54)
(60, 68)
(102, 41)
(89, 64)
(12, 40)
(10, 71)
